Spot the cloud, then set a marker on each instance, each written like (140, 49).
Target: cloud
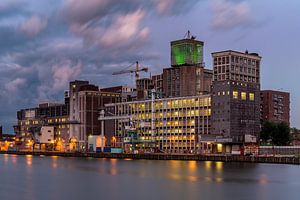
(174, 7)
(124, 29)
(163, 6)
(49, 43)
(228, 15)
(63, 73)
(56, 77)
(33, 26)
(82, 11)
(13, 86)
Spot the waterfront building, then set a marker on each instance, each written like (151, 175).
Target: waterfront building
(187, 75)
(173, 124)
(32, 120)
(236, 95)
(85, 102)
(186, 80)
(275, 106)
(127, 93)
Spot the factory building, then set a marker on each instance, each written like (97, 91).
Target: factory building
(236, 95)
(173, 124)
(85, 102)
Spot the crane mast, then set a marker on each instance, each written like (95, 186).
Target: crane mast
(136, 71)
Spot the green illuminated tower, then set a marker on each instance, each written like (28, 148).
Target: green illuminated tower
(186, 52)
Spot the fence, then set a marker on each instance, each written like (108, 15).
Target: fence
(279, 150)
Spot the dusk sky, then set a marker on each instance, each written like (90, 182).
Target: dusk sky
(44, 44)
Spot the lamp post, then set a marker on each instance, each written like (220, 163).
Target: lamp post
(102, 130)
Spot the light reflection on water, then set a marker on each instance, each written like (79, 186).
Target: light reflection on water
(31, 178)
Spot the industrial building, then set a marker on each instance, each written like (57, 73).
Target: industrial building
(186, 80)
(31, 122)
(127, 93)
(173, 124)
(187, 51)
(236, 95)
(275, 106)
(85, 102)
(187, 108)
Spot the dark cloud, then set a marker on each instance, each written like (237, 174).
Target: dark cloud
(10, 8)
(49, 43)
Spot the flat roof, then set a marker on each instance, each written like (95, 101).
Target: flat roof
(187, 41)
(237, 52)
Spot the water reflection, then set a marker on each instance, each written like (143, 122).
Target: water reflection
(207, 165)
(54, 161)
(263, 180)
(71, 178)
(29, 160)
(192, 166)
(113, 169)
(219, 166)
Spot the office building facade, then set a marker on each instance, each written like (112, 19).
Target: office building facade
(175, 124)
(236, 95)
(86, 100)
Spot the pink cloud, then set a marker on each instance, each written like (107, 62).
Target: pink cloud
(229, 15)
(33, 26)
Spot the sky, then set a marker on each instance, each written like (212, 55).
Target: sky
(45, 44)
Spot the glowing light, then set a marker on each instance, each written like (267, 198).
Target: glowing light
(219, 166)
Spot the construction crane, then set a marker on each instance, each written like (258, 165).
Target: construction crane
(136, 71)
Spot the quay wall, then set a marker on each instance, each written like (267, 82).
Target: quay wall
(187, 157)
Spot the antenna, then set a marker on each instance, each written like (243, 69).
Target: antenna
(189, 36)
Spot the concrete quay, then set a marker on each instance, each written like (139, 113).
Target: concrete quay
(183, 157)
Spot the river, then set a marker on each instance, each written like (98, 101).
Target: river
(55, 178)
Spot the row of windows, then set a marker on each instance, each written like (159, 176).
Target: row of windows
(192, 137)
(238, 69)
(182, 103)
(188, 113)
(36, 122)
(236, 77)
(235, 95)
(243, 95)
(235, 59)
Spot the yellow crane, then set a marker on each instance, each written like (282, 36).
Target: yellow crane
(136, 71)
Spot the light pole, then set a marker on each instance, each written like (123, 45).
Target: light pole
(102, 130)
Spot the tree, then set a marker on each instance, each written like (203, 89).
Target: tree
(267, 131)
(278, 133)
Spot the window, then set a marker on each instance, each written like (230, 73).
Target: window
(251, 96)
(235, 94)
(244, 95)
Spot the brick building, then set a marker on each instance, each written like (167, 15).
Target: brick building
(186, 81)
(31, 121)
(86, 101)
(236, 95)
(275, 106)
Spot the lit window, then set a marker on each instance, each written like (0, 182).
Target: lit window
(251, 96)
(244, 95)
(235, 94)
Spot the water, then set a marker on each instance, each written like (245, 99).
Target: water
(55, 178)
